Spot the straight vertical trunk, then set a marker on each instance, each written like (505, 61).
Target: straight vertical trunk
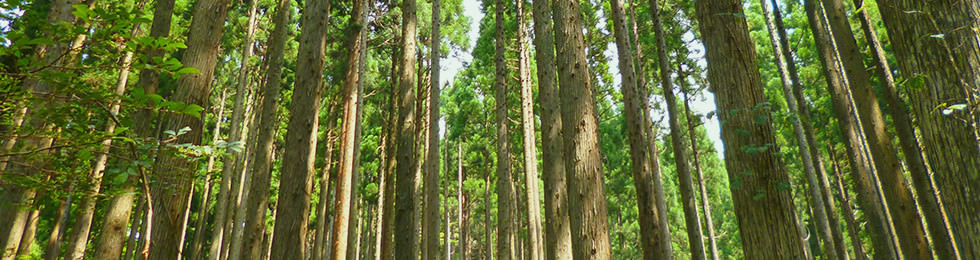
(814, 192)
(557, 236)
(941, 59)
(386, 202)
(430, 230)
(535, 243)
(406, 182)
(685, 181)
(506, 196)
(760, 185)
(486, 215)
(849, 127)
(53, 249)
(172, 179)
(258, 200)
(206, 199)
(587, 202)
(911, 237)
(463, 232)
(692, 121)
(652, 234)
(289, 238)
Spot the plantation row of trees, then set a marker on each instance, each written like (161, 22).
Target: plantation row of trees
(274, 129)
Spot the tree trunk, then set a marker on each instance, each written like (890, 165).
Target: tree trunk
(536, 245)
(928, 200)
(849, 128)
(506, 196)
(53, 249)
(461, 224)
(486, 214)
(172, 178)
(430, 230)
(782, 60)
(692, 122)
(685, 181)
(939, 57)
(911, 237)
(386, 203)
(760, 185)
(557, 236)
(830, 206)
(587, 202)
(289, 238)
(854, 231)
(636, 107)
(405, 235)
(349, 139)
(258, 200)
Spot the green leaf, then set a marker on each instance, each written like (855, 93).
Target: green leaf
(193, 110)
(188, 70)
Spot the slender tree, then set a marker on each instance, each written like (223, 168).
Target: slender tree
(861, 166)
(506, 196)
(535, 236)
(692, 122)
(289, 238)
(852, 225)
(430, 229)
(406, 182)
(760, 185)
(583, 167)
(947, 75)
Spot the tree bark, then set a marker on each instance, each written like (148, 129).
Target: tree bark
(636, 107)
(430, 230)
(557, 236)
(535, 236)
(350, 140)
(172, 178)
(406, 182)
(387, 188)
(289, 238)
(506, 196)
(850, 129)
(941, 60)
(258, 201)
(782, 60)
(854, 231)
(587, 202)
(911, 237)
(760, 185)
(53, 249)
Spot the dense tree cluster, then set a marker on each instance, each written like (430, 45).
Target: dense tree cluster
(567, 129)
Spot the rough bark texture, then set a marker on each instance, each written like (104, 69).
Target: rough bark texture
(814, 192)
(692, 122)
(849, 126)
(932, 210)
(289, 237)
(760, 185)
(937, 49)
(406, 181)
(387, 200)
(349, 139)
(557, 236)
(506, 196)
(583, 166)
(172, 177)
(910, 235)
(636, 107)
(535, 236)
(430, 230)
(258, 201)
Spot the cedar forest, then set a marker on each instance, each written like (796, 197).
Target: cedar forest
(559, 129)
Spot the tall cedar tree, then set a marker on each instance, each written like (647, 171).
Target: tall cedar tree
(293, 207)
(651, 232)
(172, 178)
(430, 230)
(813, 186)
(760, 184)
(583, 167)
(506, 196)
(406, 226)
(535, 237)
(849, 127)
(909, 232)
(948, 74)
(557, 236)
(692, 122)
(349, 139)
